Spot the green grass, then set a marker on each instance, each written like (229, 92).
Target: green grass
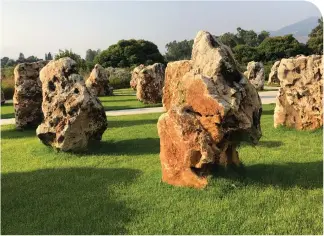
(115, 187)
(123, 99)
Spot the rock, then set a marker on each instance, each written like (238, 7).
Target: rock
(150, 83)
(211, 108)
(3, 100)
(255, 74)
(27, 99)
(98, 82)
(72, 114)
(273, 76)
(135, 75)
(299, 100)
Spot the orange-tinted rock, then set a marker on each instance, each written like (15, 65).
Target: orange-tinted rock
(211, 108)
(299, 101)
(72, 114)
(135, 76)
(150, 83)
(27, 99)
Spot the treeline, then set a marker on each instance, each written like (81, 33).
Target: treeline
(247, 45)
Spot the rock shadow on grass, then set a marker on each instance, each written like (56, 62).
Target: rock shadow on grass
(66, 201)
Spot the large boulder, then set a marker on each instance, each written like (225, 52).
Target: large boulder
(72, 114)
(135, 76)
(255, 74)
(3, 100)
(211, 108)
(273, 76)
(98, 82)
(27, 99)
(299, 101)
(150, 83)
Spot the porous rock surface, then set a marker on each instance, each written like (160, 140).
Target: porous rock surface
(255, 74)
(211, 107)
(150, 83)
(27, 99)
(135, 76)
(299, 101)
(273, 76)
(98, 82)
(72, 114)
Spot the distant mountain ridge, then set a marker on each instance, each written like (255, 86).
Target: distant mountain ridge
(300, 29)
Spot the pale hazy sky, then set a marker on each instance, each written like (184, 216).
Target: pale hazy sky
(38, 27)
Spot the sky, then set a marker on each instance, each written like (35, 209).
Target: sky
(37, 27)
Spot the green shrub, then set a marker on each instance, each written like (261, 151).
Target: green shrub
(267, 69)
(119, 77)
(8, 82)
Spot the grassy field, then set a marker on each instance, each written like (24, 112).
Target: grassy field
(115, 187)
(123, 99)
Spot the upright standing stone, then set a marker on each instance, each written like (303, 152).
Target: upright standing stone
(255, 74)
(150, 83)
(299, 101)
(273, 76)
(27, 99)
(72, 114)
(135, 76)
(98, 82)
(211, 108)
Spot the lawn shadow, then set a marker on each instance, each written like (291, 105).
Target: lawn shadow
(308, 175)
(66, 201)
(125, 147)
(16, 134)
(270, 143)
(8, 115)
(267, 112)
(129, 123)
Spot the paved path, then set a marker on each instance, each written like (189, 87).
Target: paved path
(266, 98)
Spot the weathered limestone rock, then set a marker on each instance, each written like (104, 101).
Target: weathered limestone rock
(150, 83)
(135, 76)
(72, 114)
(211, 108)
(255, 74)
(3, 100)
(299, 101)
(27, 99)
(273, 76)
(98, 82)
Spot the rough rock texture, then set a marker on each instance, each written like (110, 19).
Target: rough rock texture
(150, 83)
(72, 114)
(135, 76)
(273, 76)
(98, 82)
(27, 99)
(211, 108)
(299, 101)
(3, 100)
(255, 74)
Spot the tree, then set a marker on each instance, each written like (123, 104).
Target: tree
(91, 54)
(315, 41)
(245, 53)
(262, 36)
(68, 53)
(274, 48)
(127, 53)
(11, 62)
(32, 59)
(248, 37)
(178, 50)
(4, 61)
(49, 56)
(229, 39)
(21, 58)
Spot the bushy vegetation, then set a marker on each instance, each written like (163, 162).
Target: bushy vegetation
(127, 53)
(119, 77)
(8, 82)
(315, 42)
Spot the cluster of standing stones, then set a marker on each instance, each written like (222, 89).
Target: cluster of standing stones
(210, 105)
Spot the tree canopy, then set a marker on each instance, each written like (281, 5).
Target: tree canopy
(68, 53)
(315, 41)
(179, 50)
(127, 53)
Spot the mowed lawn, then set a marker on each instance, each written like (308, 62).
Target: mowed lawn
(123, 99)
(116, 188)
